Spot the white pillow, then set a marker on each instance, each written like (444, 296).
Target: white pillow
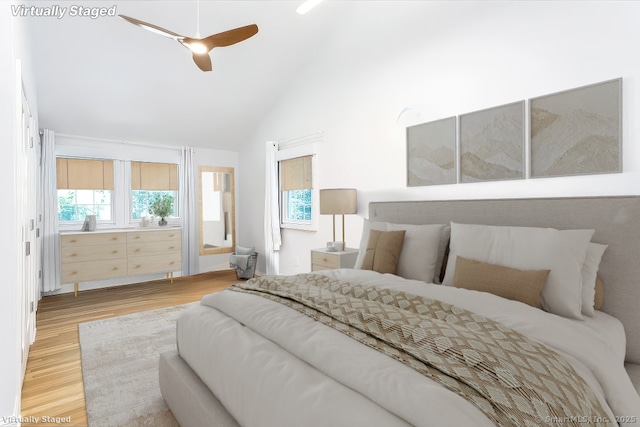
(528, 248)
(589, 273)
(419, 249)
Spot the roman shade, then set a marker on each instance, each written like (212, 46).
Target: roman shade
(295, 174)
(84, 174)
(154, 176)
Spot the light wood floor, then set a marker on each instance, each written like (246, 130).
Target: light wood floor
(53, 382)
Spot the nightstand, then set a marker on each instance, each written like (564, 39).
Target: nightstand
(321, 259)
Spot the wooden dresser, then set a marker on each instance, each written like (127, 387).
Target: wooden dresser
(118, 253)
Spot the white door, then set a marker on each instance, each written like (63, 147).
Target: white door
(27, 178)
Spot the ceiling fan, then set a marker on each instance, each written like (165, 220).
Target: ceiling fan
(200, 47)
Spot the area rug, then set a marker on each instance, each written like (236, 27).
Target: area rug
(120, 367)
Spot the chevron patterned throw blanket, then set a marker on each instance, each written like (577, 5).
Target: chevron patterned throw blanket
(514, 380)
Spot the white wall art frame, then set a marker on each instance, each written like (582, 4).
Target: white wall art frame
(577, 131)
(431, 153)
(492, 144)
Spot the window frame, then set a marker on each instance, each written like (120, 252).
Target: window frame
(300, 150)
(80, 222)
(74, 224)
(121, 198)
(128, 211)
(285, 196)
(176, 205)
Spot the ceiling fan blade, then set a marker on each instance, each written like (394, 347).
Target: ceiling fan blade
(203, 61)
(152, 28)
(199, 48)
(230, 37)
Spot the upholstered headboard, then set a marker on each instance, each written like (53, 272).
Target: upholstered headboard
(615, 219)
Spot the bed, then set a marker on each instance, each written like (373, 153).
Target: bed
(249, 360)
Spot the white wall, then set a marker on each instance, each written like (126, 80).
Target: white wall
(440, 59)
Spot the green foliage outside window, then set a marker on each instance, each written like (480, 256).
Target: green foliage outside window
(75, 205)
(142, 202)
(298, 205)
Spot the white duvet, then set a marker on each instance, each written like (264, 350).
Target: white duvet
(272, 366)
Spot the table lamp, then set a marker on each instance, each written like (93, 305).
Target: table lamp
(338, 201)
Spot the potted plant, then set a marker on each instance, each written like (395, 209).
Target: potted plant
(161, 207)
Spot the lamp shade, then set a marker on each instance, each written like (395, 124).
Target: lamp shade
(338, 201)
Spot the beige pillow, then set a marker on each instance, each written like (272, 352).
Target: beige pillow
(510, 283)
(599, 298)
(383, 251)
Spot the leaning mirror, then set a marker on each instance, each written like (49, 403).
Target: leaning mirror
(217, 210)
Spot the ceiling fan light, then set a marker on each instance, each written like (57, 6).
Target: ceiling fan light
(197, 47)
(307, 6)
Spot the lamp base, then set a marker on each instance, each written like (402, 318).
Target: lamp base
(335, 246)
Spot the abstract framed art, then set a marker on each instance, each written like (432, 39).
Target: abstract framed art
(492, 144)
(431, 153)
(577, 131)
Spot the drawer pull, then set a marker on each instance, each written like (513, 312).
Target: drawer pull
(114, 269)
(114, 238)
(137, 250)
(74, 272)
(73, 241)
(138, 266)
(172, 247)
(114, 252)
(137, 237)
(172, 262)
(74, 254)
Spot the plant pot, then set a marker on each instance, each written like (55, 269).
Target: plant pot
(162, 222)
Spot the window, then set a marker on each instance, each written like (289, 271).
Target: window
(298, 205)
(88, 187)
(296, 187)
(150, 181)
(141, 201)
(85, 187)
(75, 205)
(298, 192)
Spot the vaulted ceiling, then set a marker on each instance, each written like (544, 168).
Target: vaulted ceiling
(105, 78)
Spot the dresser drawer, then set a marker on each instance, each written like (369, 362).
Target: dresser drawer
(323, 259)
(109, 250)
(154, 236)
(318, 267)
(143, 248)
(93, 270)
(91, 239)
(154, 264)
